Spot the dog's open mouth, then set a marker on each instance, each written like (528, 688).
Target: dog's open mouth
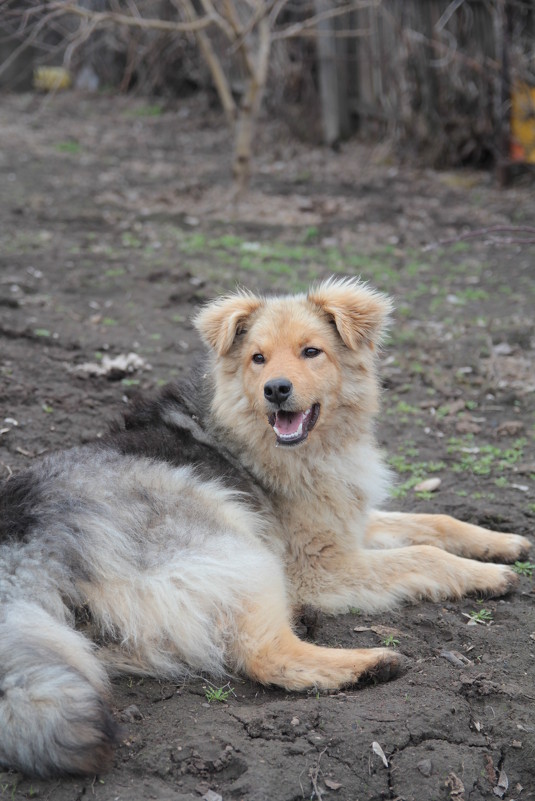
(292, 428)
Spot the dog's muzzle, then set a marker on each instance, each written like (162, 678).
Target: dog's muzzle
(293, 427)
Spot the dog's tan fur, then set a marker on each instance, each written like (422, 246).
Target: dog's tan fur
(180, 572)
(337, 551)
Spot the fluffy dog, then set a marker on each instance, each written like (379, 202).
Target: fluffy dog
(194, 530)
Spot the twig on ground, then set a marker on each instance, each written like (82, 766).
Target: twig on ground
(480, 233)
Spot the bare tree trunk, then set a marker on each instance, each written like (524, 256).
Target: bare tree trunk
(328, 78)
(503, 22)
(250, 107)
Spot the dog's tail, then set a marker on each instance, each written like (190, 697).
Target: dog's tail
(54, 716)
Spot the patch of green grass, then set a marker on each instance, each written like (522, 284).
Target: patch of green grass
(193, 243)
(70, 146)
(483, 459)
(403, 462)
(416, 368)
(402, 407)
(227, 241)
(424, 495)
(220, 694)
(41, 332)
(7, 789)
(390, 641)
(152, 110)
(303, 177)
(481, 616)
(311, 233)
(130, 241)
(471, 293)
(524, 568)
(416, 267)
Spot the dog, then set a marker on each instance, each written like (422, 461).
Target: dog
(192, 533)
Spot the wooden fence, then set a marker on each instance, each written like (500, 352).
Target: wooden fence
(436, 75)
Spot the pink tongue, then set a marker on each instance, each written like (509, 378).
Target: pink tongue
(288, 423)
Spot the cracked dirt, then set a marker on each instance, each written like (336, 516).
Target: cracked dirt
(114, 226)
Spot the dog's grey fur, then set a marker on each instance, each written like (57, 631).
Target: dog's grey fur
(187, 538)
(118, 527)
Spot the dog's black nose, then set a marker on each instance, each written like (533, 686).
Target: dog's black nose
(277, 390)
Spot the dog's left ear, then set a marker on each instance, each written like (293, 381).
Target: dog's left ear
(222, 321)
(359, 313)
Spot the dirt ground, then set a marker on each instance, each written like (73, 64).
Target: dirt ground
(114, 225)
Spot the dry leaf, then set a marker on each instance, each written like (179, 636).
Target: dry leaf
(332, 785)
(467, 427)
(455, 658)
(115, 368)
(502, 786)
(376, 748)
(455, 786)
(382, 631)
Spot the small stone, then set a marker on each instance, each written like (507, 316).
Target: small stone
(467, 427)
(502, 349)
(131, 714)
(425, 767)
(510, 428)
(428, 485)
(212, 796)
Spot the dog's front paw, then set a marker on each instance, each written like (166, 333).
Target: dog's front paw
(512, 548)
(498, 580)
(388, 665)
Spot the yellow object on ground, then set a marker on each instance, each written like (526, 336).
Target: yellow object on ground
(51, 79)
(523, 123)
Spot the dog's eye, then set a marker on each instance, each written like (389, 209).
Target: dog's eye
(258, 358)
(311, 353)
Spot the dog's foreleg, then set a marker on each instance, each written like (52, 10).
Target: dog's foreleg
(267, 650)
(53, 712)
(391, 529)
(376, 580)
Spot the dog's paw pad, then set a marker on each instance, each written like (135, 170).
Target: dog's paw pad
(521, 548)
(387, 667)
(507, 581)
(511, 579)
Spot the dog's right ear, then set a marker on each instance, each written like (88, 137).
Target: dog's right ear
(224, 319)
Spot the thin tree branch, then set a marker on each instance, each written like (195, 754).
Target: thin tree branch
(115, 18)
(214, 65)
(480, 233)
(306, 26)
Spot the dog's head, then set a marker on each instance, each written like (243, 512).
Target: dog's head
(297, 361)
